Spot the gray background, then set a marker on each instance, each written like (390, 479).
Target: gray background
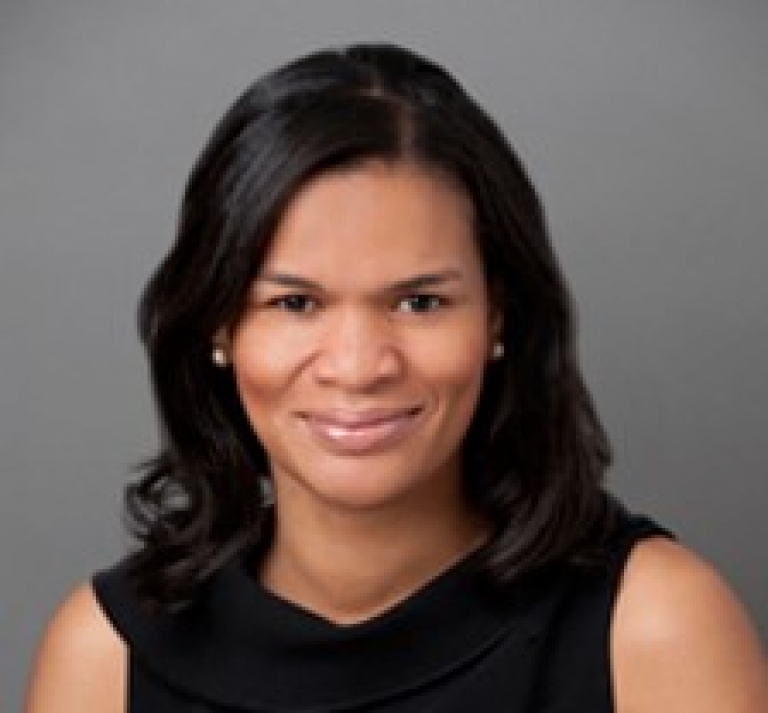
(643, 124)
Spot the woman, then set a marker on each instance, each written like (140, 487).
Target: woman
(380, 481)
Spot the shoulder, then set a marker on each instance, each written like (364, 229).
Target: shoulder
(81, 662)
(680, 639)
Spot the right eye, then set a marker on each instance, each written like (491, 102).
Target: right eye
(302, 304)
(422, 303)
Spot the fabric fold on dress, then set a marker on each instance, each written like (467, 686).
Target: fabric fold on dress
(458, 640)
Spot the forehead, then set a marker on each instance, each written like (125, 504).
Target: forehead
(373, 219)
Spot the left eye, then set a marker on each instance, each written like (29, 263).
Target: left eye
(302, 304)
(420, 303)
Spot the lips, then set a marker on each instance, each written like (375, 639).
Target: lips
(360, 432)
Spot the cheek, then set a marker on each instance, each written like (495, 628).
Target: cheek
(262, 367)
(456, 366)
(455, 376)
(264, 358)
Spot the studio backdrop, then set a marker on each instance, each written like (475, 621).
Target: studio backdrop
(643, 124)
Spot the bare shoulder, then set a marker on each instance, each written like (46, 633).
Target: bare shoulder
(680, 638)
(81, 661)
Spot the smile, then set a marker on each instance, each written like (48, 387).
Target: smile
(359, 433)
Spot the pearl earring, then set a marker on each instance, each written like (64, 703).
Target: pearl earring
(498, 350)
(219, 357)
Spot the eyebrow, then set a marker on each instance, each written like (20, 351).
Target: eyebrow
(431, 279)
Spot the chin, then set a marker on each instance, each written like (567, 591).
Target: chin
(377, 482)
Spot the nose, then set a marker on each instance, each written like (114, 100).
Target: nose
(358, 352)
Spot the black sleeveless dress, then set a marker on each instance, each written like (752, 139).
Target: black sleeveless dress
(457, 645)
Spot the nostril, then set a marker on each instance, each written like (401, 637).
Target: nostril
(359, 362)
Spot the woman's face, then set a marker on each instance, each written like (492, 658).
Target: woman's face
(360, 357)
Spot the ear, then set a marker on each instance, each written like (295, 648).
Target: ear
(222, 338)
(495, 319)
(221, 347)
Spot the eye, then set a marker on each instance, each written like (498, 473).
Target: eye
(302, 304)
(421, 303)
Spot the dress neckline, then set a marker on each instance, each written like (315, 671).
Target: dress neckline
(284, 608)
(241, 645)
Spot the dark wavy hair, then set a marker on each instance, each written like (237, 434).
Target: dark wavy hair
(535, 452)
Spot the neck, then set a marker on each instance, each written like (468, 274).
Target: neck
(348, 565)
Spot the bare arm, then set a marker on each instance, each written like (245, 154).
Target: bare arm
(80, 665)
(681, 641)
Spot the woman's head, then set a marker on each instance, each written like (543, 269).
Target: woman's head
(361, 351)
(534, 453)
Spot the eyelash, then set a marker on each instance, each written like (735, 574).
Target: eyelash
(435, 302)
(304, 304)
(284, 302)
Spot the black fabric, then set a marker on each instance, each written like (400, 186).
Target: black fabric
(457, 644)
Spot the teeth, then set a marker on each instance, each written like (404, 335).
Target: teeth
(362, 436)
(339, 431)
(363, 425)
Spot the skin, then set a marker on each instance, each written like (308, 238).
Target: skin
(360, 527)
(680, 639)
(410, 327)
